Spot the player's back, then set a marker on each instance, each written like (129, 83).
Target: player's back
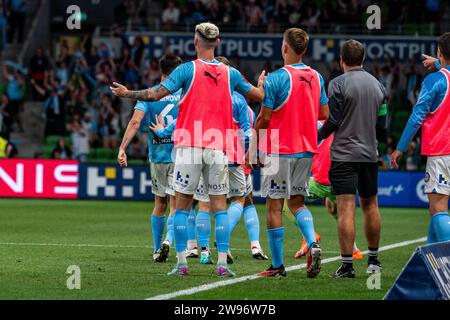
(360, 95)
(297, 91)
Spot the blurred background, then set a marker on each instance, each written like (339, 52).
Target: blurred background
(54, 83)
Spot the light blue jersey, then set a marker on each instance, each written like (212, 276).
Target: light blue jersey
(160, 149)
(432, 93)
(181, 78)
(277, 88)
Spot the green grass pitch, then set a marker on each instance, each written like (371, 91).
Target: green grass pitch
(111, 243)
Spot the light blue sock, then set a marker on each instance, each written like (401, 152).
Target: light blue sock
(431, 236)
(305, 223)
(251, 222)
(203, 224)
(441, 222)
(234, 215)
(157, 231)
(191, 225)
(276, 237)
(222, 231)
(169, 233)
(180, 230)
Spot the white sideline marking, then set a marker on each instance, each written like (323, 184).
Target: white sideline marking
(223, 283)
(80, 245)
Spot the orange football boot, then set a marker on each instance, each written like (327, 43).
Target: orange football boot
(304, 248)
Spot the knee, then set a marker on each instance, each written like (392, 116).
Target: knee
(369, 204)
(160, 205)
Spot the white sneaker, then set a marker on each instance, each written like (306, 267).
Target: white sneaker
(193, 253)
(258, 254)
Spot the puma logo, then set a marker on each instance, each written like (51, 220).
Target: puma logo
(209, 75)
(302, 78)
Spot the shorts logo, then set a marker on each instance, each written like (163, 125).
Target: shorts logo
(427, 177)
(182, 178)
(217, 187)
(443, 180)
(277, 186)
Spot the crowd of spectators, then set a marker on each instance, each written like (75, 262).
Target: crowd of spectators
(73, 87)
(314, 15)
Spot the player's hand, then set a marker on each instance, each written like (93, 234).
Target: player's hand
(429, 62)
(158, 124)
(119, 90)
(247, 162)
(395, 158)
(122, 158)
(261, 79)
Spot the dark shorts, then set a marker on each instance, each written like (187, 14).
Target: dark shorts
(354, 177)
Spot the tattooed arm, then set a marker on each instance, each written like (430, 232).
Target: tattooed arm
(132, 128)
(142, 95)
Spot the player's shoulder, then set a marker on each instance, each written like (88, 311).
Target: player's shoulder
(277, 76)
(433, 78)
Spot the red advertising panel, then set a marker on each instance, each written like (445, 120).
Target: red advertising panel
(20, 178)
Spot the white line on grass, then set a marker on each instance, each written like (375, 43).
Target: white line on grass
(80, 245)
(223, 283)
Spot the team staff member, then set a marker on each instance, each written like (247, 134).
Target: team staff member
(432, 113)
(357, 114)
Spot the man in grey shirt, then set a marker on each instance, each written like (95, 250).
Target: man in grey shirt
(358, 121)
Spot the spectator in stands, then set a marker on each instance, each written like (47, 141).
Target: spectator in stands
(39, 64)
(5, 117)
(54, 106)
(17, 20)
(62, 151)
(253, 15)
(90, 127)
(80, 140)
(386, 165)
(3, 25)
(109, 125)
(413, 81)
(7, 149)
(131, 75)
(153, 73)
(170, 16)
(412, 157)
(14, 90)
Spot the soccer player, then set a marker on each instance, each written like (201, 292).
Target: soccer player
(358, 121)
(160, 157)
(431, 112)
(205, 116)
(240, 183)
(295, 100)
(319, 187)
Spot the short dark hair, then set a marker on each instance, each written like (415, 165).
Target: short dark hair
(444, 45)
(297, 39)
(168, 63)
(352, 53)
(224, 60)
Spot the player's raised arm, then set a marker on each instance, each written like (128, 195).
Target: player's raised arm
(142, 95)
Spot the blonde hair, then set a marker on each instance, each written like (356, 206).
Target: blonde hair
(207, 31)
